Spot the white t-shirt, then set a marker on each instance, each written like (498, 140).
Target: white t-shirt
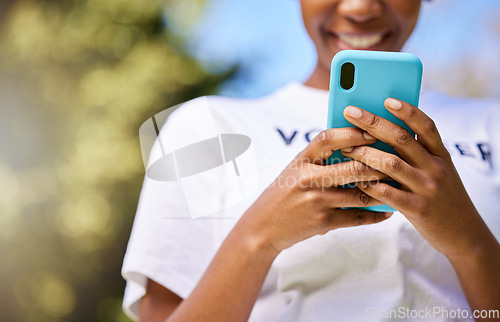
(351, 274)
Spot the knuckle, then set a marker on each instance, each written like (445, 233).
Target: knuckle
(362, 151)
(364, 199)
(403, 137)
(384, 191)
(313, 197)
(373, 121)
(357, 168)
(304, 182)
(358, 219)
(429, 127)
(323, 218)
(393, 164)
(421, 206)
(324, 137)
(431, 188)
(438, 171)
(412, 112)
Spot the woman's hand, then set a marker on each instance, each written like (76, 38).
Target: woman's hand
(301, 203)
(305, 201)
(432, 195)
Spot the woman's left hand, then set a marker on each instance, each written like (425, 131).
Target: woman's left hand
(432, 196)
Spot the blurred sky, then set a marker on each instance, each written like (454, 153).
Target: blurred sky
(268, 40)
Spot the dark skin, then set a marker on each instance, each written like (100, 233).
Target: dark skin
(431, 185)
(326, 20)
(158, 303)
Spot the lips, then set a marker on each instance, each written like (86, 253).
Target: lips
(359, 41)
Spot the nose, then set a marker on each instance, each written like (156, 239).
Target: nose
(360, 10)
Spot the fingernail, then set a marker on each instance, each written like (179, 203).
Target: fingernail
(394, 104)
(369, 137)
(353, 112)
(388, 214)
(347, 150)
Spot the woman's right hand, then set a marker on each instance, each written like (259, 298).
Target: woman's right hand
(302, 202)
(305, 199)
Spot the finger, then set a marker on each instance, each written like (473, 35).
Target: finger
(327, 141)
(387, 163)
(343, 218)
(341, 173)
(404, 201)
(394, 135)
(420, 123)
(346, 198)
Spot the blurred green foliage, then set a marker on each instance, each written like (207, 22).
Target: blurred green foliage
(94, 71)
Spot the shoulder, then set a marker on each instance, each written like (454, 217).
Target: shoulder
(224, 113)
(291, 94)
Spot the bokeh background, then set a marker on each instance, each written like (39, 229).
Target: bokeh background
(78, 78)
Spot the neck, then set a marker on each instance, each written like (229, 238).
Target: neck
(320, 78)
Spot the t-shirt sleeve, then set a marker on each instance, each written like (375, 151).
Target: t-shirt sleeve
(171, 242)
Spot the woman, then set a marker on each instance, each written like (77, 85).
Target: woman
(282, 257)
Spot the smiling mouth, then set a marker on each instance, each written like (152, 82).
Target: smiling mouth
(358, 41)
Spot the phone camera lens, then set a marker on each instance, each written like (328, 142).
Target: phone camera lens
(347, 76)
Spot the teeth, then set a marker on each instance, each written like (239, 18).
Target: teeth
(361, 42)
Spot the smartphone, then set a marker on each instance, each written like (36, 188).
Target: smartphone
(366, 79)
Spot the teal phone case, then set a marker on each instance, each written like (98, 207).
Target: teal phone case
(377, 76)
